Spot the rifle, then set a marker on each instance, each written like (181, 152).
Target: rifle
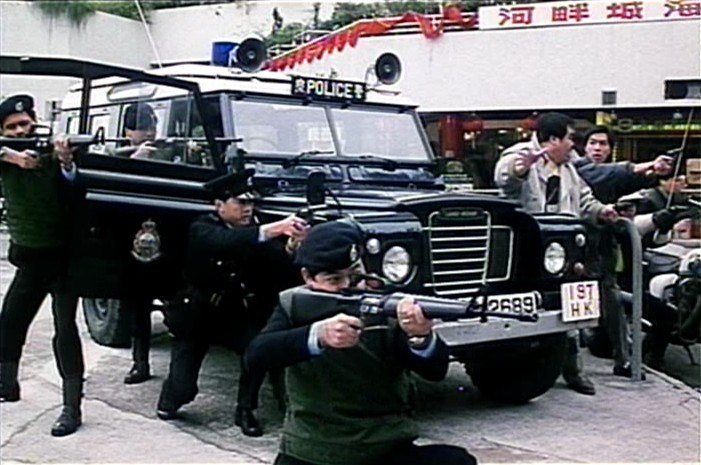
(44, 144)
(311, 306)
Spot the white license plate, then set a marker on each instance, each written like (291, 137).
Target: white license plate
(580, 301)
(518, 304)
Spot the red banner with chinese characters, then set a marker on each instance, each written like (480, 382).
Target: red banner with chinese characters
(587, 12)
(337, 41)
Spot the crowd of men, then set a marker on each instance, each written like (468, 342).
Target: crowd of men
(232, 262)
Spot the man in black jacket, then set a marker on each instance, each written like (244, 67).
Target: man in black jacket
(348, 380)
(234, 270)
(609, 182)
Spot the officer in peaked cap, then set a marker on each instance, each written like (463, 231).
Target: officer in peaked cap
(36, 196)
(234, 270)
(348, 388)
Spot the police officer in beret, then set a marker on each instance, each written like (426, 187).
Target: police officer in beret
(37, 189)
(234, 270)
(140, 129)
(139, 126)
(349, 387)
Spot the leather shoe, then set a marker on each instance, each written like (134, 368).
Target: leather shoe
(167, 415)
(138, 374)
(68, 422)
(245, 419)
(582, 385)
(626, 371)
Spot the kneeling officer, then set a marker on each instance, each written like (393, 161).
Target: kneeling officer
(348, 385)
(228, 258)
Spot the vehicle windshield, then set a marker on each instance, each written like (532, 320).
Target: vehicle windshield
(281, 128)
(379, 133)
(292, 129)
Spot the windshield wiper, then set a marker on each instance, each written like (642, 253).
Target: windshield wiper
(385, 163)
(294, 161)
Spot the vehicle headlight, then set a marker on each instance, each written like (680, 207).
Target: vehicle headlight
(555, 258)
(396, 264)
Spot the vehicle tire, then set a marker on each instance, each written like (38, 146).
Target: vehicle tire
(107, 324)
(518, 374)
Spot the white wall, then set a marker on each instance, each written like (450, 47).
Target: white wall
(24, 30)
(187, 33)
(555, 67)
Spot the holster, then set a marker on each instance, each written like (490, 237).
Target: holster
(184, 311)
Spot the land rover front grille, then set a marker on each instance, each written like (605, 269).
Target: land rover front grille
(459, 242)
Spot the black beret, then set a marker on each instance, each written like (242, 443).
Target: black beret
(139, 117)
(16, 104)
(230, 185)
(330, 246)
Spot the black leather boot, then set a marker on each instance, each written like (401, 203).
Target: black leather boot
(70, 418)
(245, 419)
(139, 373)
(9, 386)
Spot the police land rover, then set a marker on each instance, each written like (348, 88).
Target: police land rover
(334, 149)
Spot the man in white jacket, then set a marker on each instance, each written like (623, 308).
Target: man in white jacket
(540, 175)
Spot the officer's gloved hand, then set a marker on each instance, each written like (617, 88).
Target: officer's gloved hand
(664, 220)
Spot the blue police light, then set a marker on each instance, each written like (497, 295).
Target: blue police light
(221, 53)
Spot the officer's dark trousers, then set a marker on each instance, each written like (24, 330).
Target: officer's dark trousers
(38, 274)
(180, 387)
(140, 314)
(409, 454)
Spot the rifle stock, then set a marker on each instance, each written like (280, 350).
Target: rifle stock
(311, 306)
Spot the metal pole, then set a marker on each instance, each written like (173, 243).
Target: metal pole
(636, 297)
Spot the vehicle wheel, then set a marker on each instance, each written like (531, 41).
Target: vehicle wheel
(108, 326)
(516, 375)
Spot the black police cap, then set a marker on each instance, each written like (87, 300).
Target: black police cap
(230, 185)
(21, 103)
(330, 246)
(139, 117)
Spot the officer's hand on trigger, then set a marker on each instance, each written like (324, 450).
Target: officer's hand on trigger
(145, 150)
(340, 331)
(411, 318)
(292, 226)
(26, 159)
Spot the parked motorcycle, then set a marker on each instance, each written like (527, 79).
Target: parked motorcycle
(672, 302)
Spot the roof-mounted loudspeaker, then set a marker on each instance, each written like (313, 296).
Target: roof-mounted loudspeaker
(250, 55)
(388, 68)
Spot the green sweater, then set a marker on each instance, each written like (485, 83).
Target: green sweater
(32, 203)
(350, 406)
